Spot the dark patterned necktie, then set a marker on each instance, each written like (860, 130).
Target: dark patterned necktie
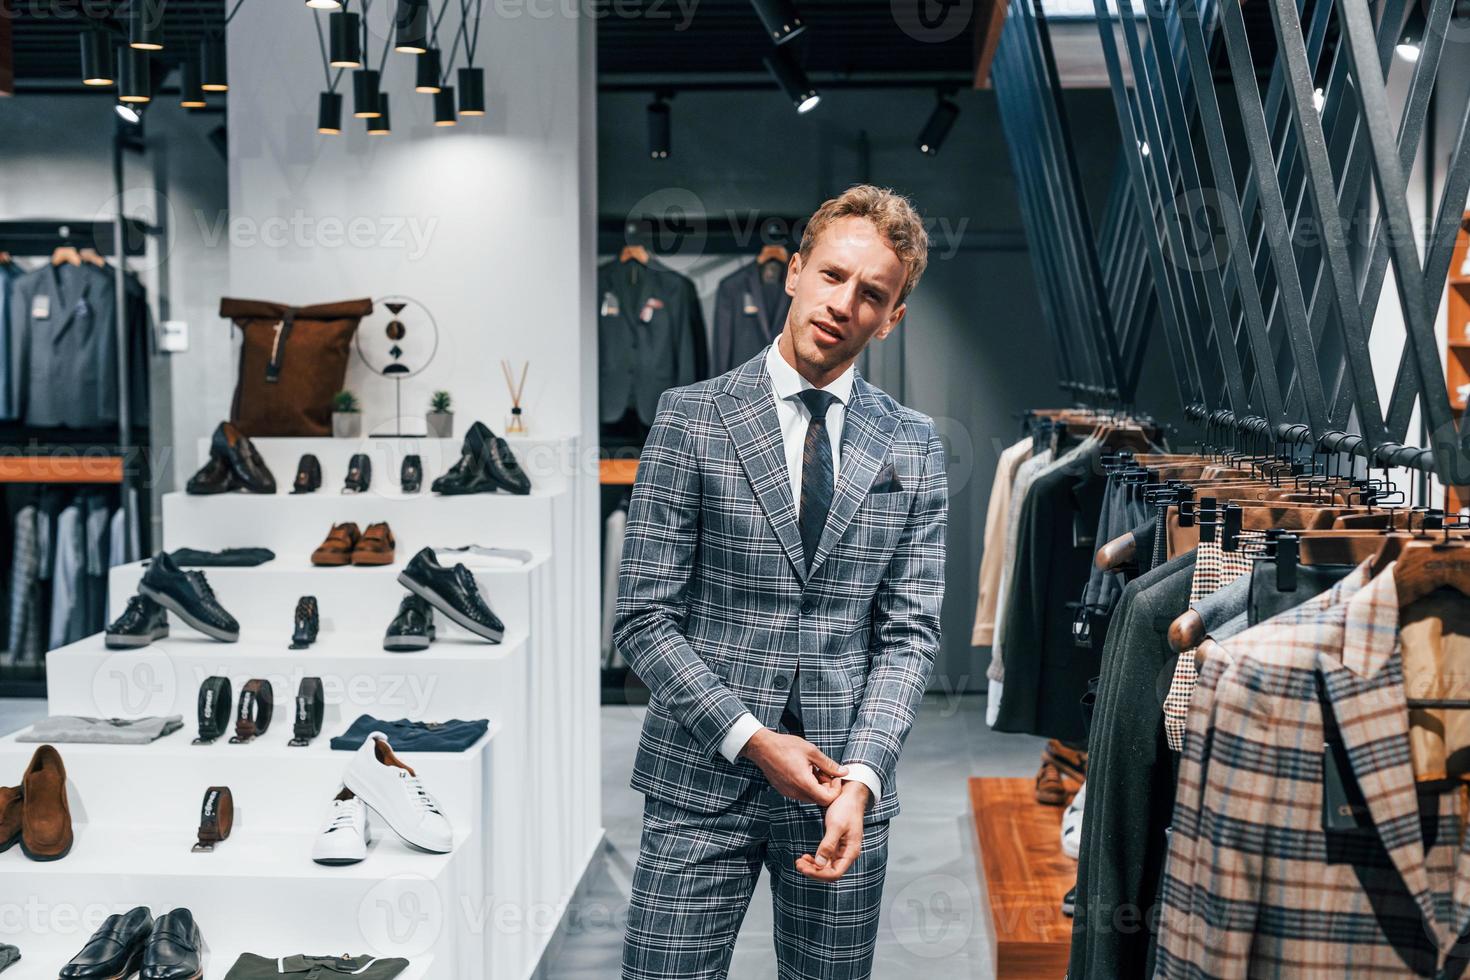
(816, 471)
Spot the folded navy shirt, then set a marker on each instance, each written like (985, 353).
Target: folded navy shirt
(414, 736)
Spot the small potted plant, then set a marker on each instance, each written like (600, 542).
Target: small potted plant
(346, 415)
(440, 419)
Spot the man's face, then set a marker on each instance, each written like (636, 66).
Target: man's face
(844, 294)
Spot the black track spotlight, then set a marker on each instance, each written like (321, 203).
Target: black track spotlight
(429, 72)
(1411, 41)
(329, 113)
(658, 129)
(780, 19)
(214, 73)
(931, 137)
(365, 94)
(191, 94)
(444, 107)
(145, 24)
(135, 78)
(472, 91)
(411, 27)
(98, 66)
(344, 29)
(378, 125)
(130, 114)
(792, 79)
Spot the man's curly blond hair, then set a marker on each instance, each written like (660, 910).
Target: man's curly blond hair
(892, 214)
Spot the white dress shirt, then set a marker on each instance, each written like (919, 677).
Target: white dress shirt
(793, 417)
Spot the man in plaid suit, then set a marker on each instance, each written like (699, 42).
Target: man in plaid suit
(780, 594)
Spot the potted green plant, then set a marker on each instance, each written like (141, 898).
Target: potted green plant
(346, 415)
(440, 419)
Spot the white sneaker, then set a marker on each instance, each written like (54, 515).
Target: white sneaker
(393, 792)
(1072, 824)
(343, 838)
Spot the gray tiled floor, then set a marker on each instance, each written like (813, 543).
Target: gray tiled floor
(932, 922)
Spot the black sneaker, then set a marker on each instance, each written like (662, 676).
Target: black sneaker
(187, 595)
(452, 591)
(308, 474)
(413, 627)
(359, 474)
(308, 623)
(142, 622)
(411, 475)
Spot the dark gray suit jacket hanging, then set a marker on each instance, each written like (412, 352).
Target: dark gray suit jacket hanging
(650, 337)
(63, 336)
(749, 312)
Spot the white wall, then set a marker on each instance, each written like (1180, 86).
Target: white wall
(484, 224)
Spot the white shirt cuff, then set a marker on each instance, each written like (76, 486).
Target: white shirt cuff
(868, 776)
(745, 726)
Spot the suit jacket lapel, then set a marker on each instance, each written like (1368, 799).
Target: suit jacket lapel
(748, 409)
(867, 432)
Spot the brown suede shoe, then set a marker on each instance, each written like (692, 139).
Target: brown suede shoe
(45, 818)
(1062, 773)
(337, 549)
(375, 547)
(10, 806)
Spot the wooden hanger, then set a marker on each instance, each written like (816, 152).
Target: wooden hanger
(1117, 552)
(66, 254)
(1424, 565)
(635, 252)
(773, 253)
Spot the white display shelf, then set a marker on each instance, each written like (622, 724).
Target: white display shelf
(44, 962)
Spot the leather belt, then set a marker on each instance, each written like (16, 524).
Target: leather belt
(310, 706)
(216, 817)
(214, 709)
(253, 716)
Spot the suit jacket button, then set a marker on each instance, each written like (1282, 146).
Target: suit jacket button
(781, 681)
(808, 606)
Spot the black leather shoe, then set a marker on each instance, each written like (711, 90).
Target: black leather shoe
(214, 477)
(308, 474)
(142, 622)
(498, 462)
(187, 595)
(453, 592)
(172, 951)
(413, 627)
(231, 445)
(308, 623)
(411, 476)
(465, 476)
(359, 474)
(115, 950)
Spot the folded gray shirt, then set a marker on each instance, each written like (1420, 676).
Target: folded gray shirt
(8, 955)
(111, 731)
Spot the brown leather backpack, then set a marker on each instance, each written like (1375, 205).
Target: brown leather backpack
(293, 360)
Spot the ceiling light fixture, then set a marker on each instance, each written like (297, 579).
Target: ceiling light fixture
(471, 91)
(378, 125)
(411, 27)
(213, 67)
(191, 93)
(345, 31)
(792, 79)
(659, 129)
(145, 25)
(444, 107)
(931, 137)
(780, 19)
(135, 81)
(428, 72)
(98, 66)
(366, 98)
(329, 113)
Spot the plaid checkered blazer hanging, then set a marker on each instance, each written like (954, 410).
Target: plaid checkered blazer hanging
(1256, 885)
(716, 606)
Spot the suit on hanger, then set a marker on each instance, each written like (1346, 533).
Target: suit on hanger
(718, 611)
(650, 337)
(750, 312)
(63, 347)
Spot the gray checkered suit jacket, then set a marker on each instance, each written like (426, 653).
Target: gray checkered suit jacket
(716, 610)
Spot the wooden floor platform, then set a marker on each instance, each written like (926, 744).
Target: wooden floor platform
(1026, 875)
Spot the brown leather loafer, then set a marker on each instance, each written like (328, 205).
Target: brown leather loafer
(10, 807)
(375, 547)
(1061, 775)
(338, 548)
(45, 817)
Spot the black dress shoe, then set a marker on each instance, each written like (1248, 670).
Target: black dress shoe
(465, 476)
(500, 463)
(359, 474)
(115, 950)
(172, 951)
(231, 445)
(142, 622)
(308, 474)
(413, 627)
(187, 595)
(308, 623)
(411, 476)
(214, 477)
(453, 592)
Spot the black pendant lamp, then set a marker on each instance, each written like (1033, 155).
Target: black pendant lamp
(135, 81)
(444, 107)
(191, 93)
(411, 27)
(145, 25)
(429, 72)
(366, 98)
(213, 70)
(98, 67)
(345, 31)
(378, 125)
(329, 113)
(472, 91)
